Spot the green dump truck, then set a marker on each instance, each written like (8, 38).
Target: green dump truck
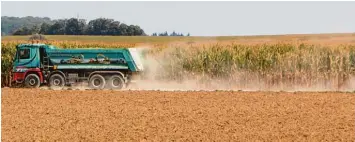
(40, 64)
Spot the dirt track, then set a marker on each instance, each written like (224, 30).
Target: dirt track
(47, 115)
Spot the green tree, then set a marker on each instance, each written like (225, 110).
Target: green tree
(173, 34)
(130, 30)
(138, 31)
(164, 34)
(114, 28)
(44, 28)
(99, 26)
(35, 29)
(23, 31)
(123, 29)
(74, 26)
(58, 28)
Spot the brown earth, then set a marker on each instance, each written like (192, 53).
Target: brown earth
(73, 115)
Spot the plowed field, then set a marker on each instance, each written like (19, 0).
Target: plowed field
(74, 115)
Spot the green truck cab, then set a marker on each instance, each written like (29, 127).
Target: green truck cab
(41, 64)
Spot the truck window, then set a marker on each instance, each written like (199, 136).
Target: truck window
(24, 53)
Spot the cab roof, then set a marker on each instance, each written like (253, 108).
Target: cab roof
(31, 45)
(37, 45)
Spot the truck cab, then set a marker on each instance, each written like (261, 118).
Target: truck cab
(40, 64)
(26, 63)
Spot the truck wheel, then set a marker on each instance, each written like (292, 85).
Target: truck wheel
(32, 81)
(97, 82)
(56, 81)
(115, 82)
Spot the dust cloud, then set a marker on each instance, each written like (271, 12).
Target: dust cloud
(157, 76)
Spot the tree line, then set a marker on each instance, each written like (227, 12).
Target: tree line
(74, 26)
(43, 25)
(171, 34)
(11, 24)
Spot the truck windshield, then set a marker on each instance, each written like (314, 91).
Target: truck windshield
(24, 53)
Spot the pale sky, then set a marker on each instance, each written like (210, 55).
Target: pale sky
(203, 18)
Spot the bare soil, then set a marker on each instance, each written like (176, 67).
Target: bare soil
(74, 115)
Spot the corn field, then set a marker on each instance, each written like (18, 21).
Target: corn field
(282, 66)
(285, 65)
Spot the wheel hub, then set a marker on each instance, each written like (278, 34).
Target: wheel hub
(96, 82)
(56, 82)
(32, 81)
(116, 82)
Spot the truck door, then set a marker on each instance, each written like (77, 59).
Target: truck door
(27, 57)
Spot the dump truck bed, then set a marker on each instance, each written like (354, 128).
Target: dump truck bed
(94, 58)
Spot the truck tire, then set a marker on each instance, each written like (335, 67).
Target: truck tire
(32, 81)
(115, 82)
(56, 81)
(97, 82)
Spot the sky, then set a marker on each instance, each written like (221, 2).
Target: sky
(203, 18)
